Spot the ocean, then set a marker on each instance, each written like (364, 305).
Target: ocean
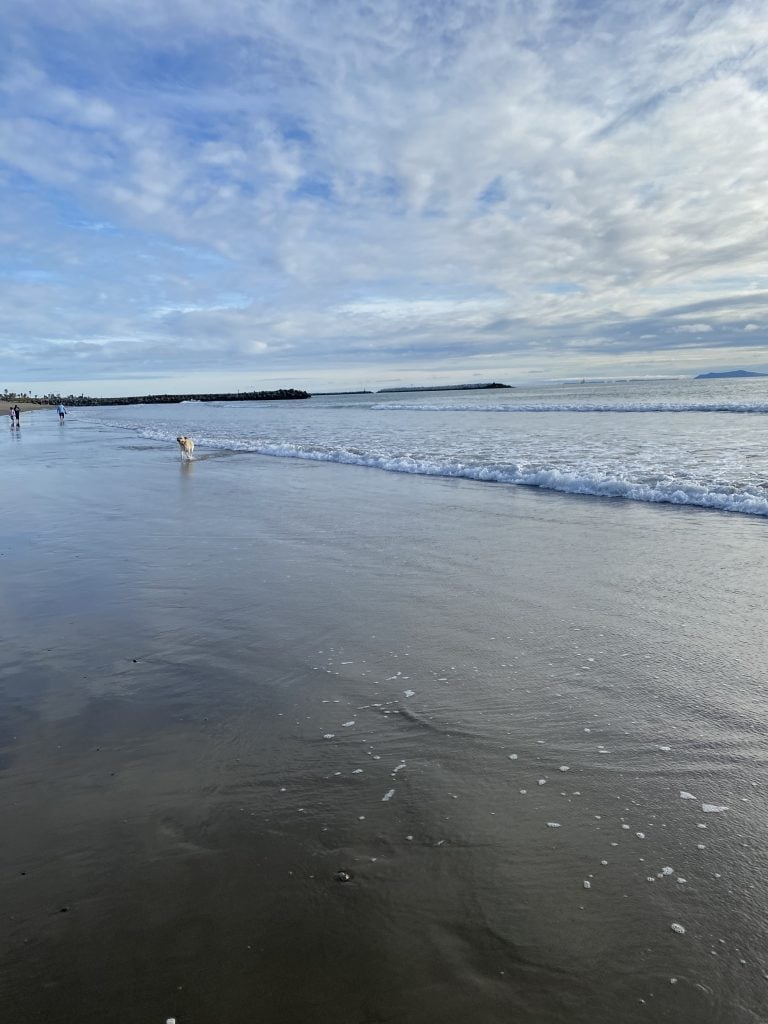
(684, 442)
(423, 708)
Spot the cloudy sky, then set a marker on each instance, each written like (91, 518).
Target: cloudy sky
(210, 195)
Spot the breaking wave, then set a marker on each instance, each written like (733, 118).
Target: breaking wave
(734, 407)
(751, 499)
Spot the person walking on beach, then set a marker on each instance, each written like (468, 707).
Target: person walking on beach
(61, 411)
(10, 414)
(16, 411)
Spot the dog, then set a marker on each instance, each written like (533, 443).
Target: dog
(187, 446)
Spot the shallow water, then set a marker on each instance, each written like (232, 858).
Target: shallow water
(185, 649)
(681, 442)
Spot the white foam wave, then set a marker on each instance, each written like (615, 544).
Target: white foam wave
(750, 500)
(731, 407)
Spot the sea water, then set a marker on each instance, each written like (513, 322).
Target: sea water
(683, 442)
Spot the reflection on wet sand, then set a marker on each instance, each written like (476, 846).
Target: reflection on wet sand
(394, 749)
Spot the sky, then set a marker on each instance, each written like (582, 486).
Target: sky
(331, 194)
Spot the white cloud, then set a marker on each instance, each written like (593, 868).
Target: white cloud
(693, 328)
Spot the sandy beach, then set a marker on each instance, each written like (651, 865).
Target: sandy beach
(23, 407)
(225, 681)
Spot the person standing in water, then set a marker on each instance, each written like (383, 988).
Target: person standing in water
(16, 412)
(61, 411)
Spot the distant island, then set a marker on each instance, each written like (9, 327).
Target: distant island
(238, 396)
(729, 373)
(445, 387)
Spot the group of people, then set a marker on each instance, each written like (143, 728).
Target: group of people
(14, 413)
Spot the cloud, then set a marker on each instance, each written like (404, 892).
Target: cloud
(397, 186)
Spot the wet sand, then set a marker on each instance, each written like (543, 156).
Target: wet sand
(223, 682)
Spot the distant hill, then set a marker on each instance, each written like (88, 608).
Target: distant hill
(445, 387)
(729, 373)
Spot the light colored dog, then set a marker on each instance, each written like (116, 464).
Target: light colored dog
(187, 446)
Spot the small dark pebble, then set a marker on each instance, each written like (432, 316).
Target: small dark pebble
(343, 876)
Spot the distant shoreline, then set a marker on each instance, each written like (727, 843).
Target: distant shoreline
(284, 394)
(446, 387)
(730, 375)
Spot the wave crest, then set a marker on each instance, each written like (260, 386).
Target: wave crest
(729, 407)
